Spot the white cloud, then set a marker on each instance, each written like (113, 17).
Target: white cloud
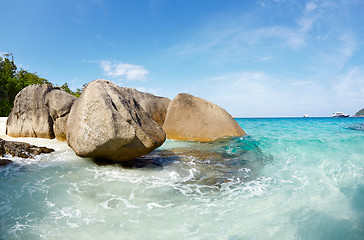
(123, 70)
(350, 85)
(318, 11)
(349, 45)
(256, 93)
(264, 59)
(239, 43)
(310, 15)
(292, 37)
(310, 6)
(301, 56)
(306, 23)
(228, 41)
(338, 56)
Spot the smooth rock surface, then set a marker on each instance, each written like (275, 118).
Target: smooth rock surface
(59, 104)
(40, 111)
(105, 123)
(30, 116)
(191, 118)
(155, 106)
(21, 149)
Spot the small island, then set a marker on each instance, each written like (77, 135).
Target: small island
(359, 113)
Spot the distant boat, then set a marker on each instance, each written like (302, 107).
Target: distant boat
(305, 116)
(340, 115)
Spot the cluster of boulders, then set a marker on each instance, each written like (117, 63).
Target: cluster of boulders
(116, 123)
(40, 111)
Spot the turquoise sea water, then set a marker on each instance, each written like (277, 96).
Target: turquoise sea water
(290, 178)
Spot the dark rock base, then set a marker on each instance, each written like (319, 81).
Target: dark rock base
(4, 162)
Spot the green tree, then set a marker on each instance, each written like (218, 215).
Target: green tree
(78, 91)
(7, 73)
(66, 88)
(13, 81)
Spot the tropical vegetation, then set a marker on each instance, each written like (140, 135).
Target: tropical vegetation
(13, 80)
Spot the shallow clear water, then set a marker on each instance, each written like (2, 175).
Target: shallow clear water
(288, 179)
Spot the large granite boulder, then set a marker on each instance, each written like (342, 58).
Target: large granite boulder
(191, 118)
(154, 105)
(30, 116)
(105, 123)
(59, 104)
(39, 111)
(359, 113)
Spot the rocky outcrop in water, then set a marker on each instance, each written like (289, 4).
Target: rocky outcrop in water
(106, 123)
(20, 149)
(40, 111)
(359, 113)
(154, 105)
(5, 162)
(191, 118)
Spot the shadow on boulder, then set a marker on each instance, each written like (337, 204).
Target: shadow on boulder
(155, 159)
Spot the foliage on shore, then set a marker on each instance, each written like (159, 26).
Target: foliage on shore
(12, 81)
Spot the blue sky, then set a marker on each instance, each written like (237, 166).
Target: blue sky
(253, 58)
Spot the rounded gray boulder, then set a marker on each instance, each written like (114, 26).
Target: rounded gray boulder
(105, 123)
(191, 118)
(37, 112)
(59, 104)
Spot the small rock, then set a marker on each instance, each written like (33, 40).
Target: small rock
(4, 162)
